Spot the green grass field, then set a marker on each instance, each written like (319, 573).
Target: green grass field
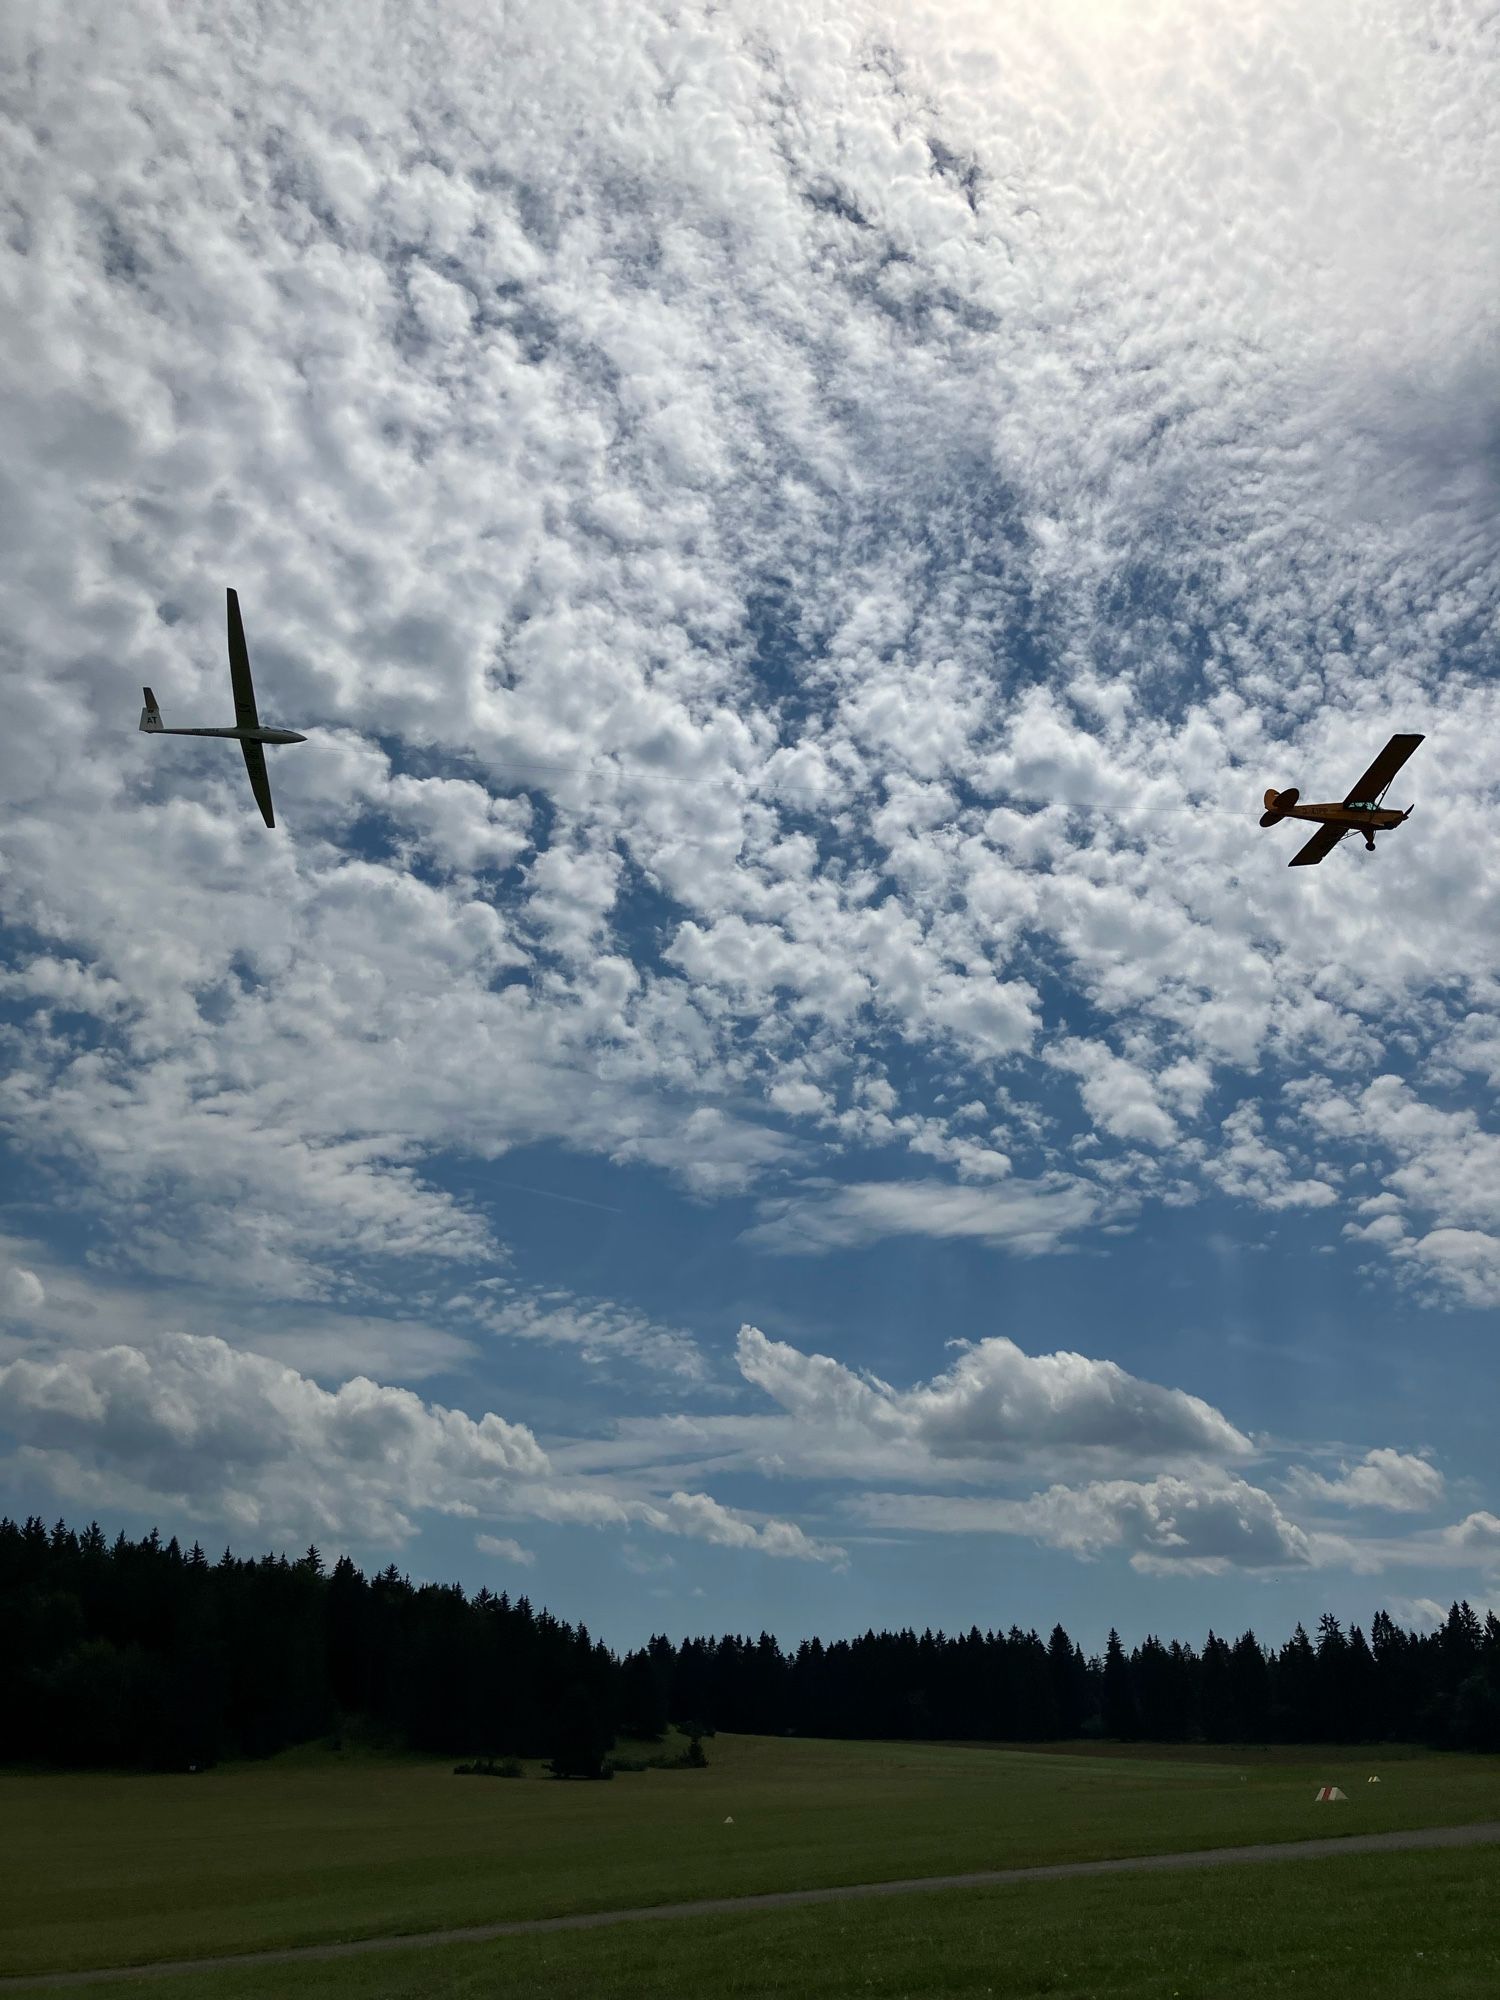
(312, 1848)
(1350, 1929)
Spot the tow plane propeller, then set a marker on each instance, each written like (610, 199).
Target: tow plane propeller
(1363, 811)
(247, 731)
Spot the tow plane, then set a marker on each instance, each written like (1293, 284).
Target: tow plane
(1364, 811)
(248, 730)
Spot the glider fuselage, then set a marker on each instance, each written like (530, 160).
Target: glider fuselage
(256, 735)
(248, 730)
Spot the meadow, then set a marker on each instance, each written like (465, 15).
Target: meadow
(312, 1847)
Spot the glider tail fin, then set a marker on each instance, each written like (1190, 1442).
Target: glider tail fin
(150, 714)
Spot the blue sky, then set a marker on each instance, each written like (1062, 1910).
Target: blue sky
(767, 1075)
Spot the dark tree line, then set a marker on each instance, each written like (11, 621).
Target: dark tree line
(141, 1653)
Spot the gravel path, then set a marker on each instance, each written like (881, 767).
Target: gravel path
(1210, 1857)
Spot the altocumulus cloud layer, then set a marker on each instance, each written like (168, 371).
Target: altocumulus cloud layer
(765, 513)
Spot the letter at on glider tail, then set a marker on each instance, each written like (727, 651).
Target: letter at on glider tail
(245, 716)
(260, 783)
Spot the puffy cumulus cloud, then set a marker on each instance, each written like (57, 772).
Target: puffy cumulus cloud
(191, 1422)
(241, 1438)
(22, 1292)
(1477, 1535)
(504, 1549)
(457, 825)
(1248, 1164)
(1396, 1480)
(1418, 1614)
(995, 1402)
(756, 438)
(1438, 1163)
(1466, 1262)
(65, 986)
(1027, 1217)
(1170, 1524)
(1118, 1095)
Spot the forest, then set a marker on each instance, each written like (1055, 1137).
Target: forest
(145, 1655)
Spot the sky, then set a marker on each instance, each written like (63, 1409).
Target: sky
(767, 1077)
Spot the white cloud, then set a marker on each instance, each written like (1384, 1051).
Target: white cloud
(1395, 1480)
(241, 1438)
(1446, 1163)
(995, 1401)
(1250, 1166)
(21, 1291)
(1117, 1095)
(193, 1424)
(598, 1330)
(1419, 1614)
(1476, 1535)
(1468, 1260)
(504, 1549)
(1027, 1217)
(1169, 1524)
(442, 1332)
(697, 1515)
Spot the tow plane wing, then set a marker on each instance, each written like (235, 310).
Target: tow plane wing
(1323, 842)
(1373, 784)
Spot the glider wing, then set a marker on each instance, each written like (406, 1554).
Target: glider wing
(260, 783)
(1324, 841)
(1381, 772)
(245, 716)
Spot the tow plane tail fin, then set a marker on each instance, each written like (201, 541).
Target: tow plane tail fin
(150, 714)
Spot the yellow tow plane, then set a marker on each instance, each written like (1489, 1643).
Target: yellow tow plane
(1364, 811)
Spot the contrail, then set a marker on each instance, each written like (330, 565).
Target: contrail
(548, 1194)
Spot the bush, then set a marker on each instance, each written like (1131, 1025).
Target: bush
(691, 1759)
(486, 1767)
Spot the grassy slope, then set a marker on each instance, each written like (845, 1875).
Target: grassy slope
(126, 1869)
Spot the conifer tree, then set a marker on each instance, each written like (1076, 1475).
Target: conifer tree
(1118, 1713)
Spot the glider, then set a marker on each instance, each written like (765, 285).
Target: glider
(1361, 811)
(248, 731)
